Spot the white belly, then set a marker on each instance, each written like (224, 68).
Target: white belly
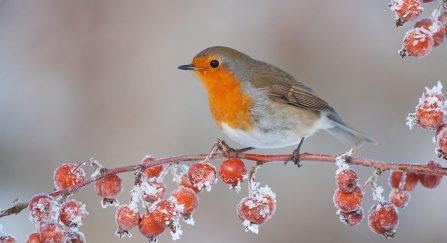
(272, 138)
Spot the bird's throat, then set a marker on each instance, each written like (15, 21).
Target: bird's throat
(230, 105)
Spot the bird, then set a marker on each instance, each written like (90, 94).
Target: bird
(259, 105)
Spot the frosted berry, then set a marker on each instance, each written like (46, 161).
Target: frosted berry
(431, 109)
(109, 187)
(72, 213)
(352, 218)
(348, 202)
(54, 233)
(407, 10)
(411, 180)
(346, 180)
(435, 27)
(165, 213)
(186, 199)
(253, 210)
(429, 180)
(152, 191)
(42, 209)
(75, 237)
(33, 238)
(186, 183)
(232, 171)
(441, 139)
(418, 42)
(399, 198)
(149, 228)
(127, 217)
(67, 175)
(7, 239)
(383, 219)
(151, 173)
(202, 175)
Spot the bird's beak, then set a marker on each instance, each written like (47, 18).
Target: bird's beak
(188, 67)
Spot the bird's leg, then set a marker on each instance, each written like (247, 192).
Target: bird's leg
(229, 151)
(296, 155)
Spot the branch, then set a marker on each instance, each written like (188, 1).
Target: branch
(15, 209)
(259, 158)
(384, 166)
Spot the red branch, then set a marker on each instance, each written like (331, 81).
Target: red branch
(255, 157)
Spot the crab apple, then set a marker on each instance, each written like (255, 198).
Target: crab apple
(407, 10)
(383, 219)
(395, 180)
(187, 199)
(399, 198)
(441, 139)
(232, 171)
(72, 213)
(33, 238)
(418, 42)
(152, 191)
(67, 175)
(165, 213)
(431, 109)
(75, 237)
(435, 27)
(346, 180)
(148, 227)
(254, 210)
(202, 174)
(352, 218)
(186, 183)
(54, 233)
(151, 173)
(348, 202)
(127, 216)
(7, 239)
(429, 180)
(109, 187)
(43, 209)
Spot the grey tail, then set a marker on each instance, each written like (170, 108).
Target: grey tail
(347, 134)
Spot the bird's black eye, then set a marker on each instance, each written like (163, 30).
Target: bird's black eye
(214, 63)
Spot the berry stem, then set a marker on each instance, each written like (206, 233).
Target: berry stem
(251, 180)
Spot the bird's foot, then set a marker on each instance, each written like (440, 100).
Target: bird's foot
(229, 151)
(295, 158)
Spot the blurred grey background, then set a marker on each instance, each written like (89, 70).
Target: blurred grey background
(81, 79)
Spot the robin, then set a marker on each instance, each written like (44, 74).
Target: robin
(260, 106)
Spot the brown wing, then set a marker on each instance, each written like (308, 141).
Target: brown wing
(282, 87)
(299, 97)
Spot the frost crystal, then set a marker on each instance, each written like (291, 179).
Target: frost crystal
(411, 120)
(189, 220)
(177, 232)
(377, 194)
(341, 162)
(237, 188)
(252, 227)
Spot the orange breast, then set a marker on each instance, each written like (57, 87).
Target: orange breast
(227, 102)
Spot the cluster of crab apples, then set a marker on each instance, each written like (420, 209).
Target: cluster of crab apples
(382, 216)
(57, 219)
(427, 33)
